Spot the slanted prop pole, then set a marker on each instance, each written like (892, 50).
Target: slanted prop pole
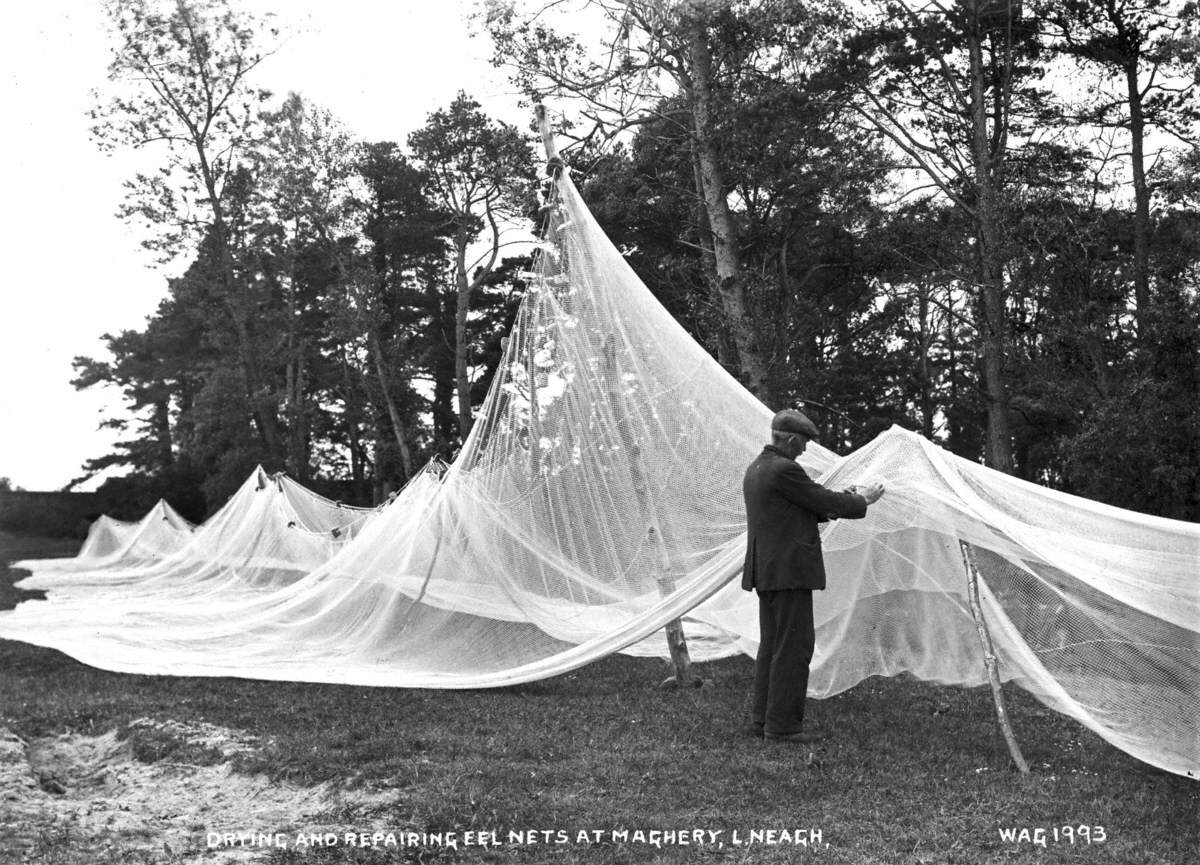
(989, 656)
(660, 558)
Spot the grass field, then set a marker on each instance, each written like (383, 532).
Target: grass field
(908, 772)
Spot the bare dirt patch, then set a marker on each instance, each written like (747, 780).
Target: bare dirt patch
(157, 792)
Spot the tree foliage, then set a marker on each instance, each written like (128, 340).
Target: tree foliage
(480, 174)
(895, 217)
(308, 332)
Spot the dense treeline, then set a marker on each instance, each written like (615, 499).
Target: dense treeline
(977, 220)
(345, 300)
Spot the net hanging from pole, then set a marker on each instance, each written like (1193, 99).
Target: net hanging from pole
(530, 556)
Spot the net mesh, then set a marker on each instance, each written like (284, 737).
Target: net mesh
(270, 533)
(598, 498)
(117, 543)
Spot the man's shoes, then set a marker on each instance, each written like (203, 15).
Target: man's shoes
(793, 738)
(754, 730)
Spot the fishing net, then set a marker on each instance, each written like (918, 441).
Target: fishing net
(271, 532)
(118, 543)
(598, 499)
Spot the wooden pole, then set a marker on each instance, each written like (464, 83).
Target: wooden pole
(535, 423)
(989, 656)
(547, 137)
(660, 558)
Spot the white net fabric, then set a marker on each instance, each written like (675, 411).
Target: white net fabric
(271, 532)
(599, 497)
(115, 543)
(105, 536)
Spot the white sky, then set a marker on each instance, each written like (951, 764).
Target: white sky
(72, 271)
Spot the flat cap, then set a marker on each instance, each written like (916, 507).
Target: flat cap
(791, 421)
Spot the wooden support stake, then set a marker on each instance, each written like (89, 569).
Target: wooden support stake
(989, 656)
(535, 421)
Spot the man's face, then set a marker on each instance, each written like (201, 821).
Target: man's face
(799, 442)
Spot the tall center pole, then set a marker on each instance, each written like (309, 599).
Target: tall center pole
(660, 557)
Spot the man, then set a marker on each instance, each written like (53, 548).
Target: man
(784, 565)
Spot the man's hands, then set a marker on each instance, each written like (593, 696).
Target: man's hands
(871, 492)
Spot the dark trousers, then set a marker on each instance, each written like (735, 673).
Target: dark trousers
(787, 638)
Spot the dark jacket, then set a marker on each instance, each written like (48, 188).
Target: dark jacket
(783, 508)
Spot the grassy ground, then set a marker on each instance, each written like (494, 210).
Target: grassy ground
(909, 772)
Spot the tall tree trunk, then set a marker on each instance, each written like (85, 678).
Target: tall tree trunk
(1141, 199)
(297, 434)
(262, 407)
(380, 484)
(398, 427)
(352, 417)
(925, 378)
(263, 411)
(953, 425)
(162, 432)
(299, 430)
(441, 363)
(991, 322)
(462, 309)
(726, 351)
(730, 280)
(289, 385)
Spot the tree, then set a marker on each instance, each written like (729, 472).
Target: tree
(1150, 45)
(397, 298)
(804, 215)
(180, 82)
(480, 173)
(161, 371)
(1154, 463)
(947, 85)
(650, 52)
(146, 365)
(642, 194)
(302, 245)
